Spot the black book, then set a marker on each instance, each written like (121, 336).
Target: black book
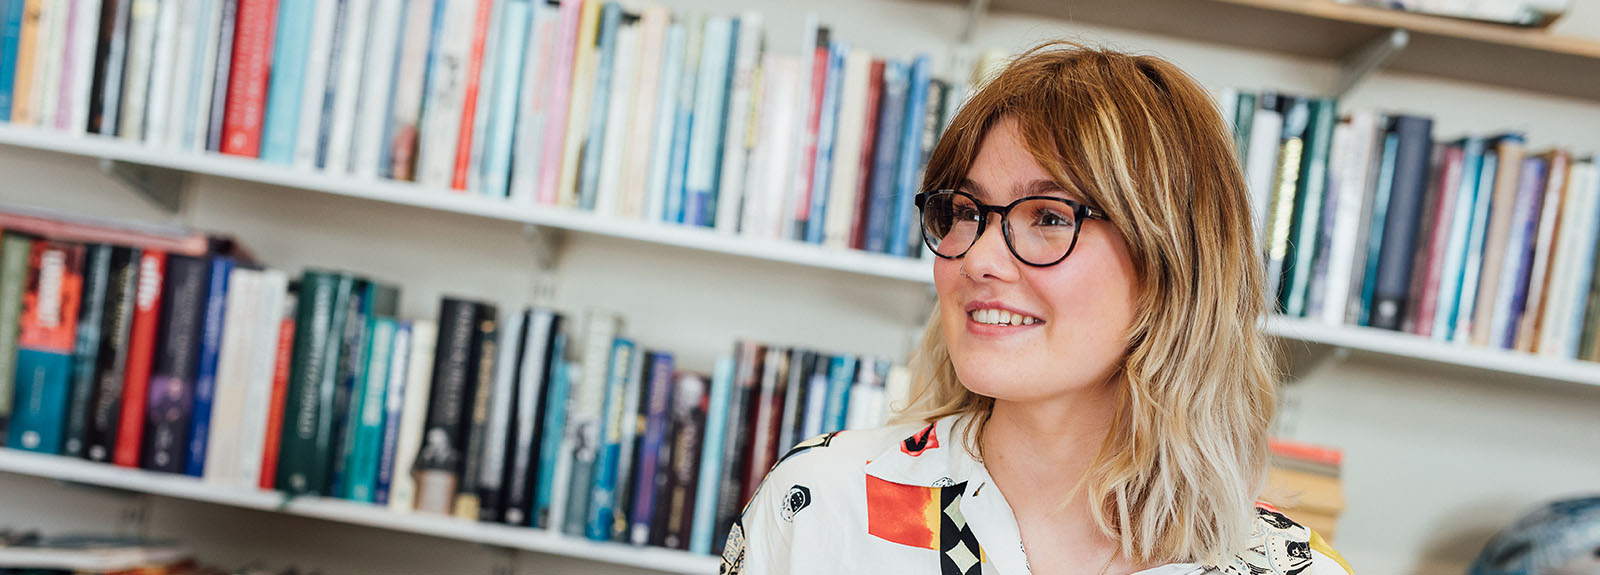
(475, 418)
(172, 375)
(105, 403)
(91, 307)
(1400, 229)
(535, 365)
(502, 402)
(219, 86)
(110, 60)
(439, 460)
(736, 446)
(674, 514)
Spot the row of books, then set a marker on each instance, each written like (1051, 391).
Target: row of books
(642, 115)
(169, 350)
(1365, 219)
(30, 553)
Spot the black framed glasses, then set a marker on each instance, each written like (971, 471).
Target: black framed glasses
(1039, 230)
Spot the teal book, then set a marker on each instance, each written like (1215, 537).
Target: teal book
(555, 423)
(1453, 273)
(1304, 227)
(1380, 216)
(45, 345)
(287, 84)
(516, 20)
(308, 414)
(367, 413)
(706, 131)
(705, 498)
(10, 36)
(602, 501)
(841, 375)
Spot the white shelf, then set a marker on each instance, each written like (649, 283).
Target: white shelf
(1399, 344)
(410, 194)
(184, 487)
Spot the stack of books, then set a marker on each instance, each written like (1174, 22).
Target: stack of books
(642, 115)
(1303, 481)
(1366, 219)
(170, 350)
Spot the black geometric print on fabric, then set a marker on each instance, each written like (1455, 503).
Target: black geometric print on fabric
(959, 553)
(799, 497)
(807, 445)
(733, 552)
(1275, 519)
(916, 443)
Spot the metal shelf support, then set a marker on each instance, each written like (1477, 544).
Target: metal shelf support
(1370, 59)
(163, 186)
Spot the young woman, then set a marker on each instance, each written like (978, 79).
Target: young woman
(1092, 393)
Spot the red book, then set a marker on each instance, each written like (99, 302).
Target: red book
(1450, 174)
(247, 82)
(280, 391)
(808, 163)
(468, 112)
(141, 352)
(869, 136)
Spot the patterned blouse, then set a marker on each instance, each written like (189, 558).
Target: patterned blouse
(842, 503)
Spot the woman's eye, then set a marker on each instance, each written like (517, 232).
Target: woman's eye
(1051, 219)
(966, 214)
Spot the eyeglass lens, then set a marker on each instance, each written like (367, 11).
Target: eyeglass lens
(1041, 231)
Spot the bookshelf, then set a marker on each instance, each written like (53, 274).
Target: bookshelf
(83, 472)
(1450, 48)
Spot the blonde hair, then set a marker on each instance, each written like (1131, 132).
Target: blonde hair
(1179, 471)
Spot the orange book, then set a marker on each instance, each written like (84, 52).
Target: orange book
(27, 48)
(458, 181)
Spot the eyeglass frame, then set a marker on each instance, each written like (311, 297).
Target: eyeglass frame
(1080, 212)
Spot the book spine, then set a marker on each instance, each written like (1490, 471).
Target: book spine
(96, 275)
(1511, 292)
(605, 195)
(864, 172)
(682, 124)
(247, 77)
(508, 80)
(379, 76)
(585, 419)
(886, 168)
(1551, 328)
(330, 22)
(10, 37)
(306, 440)
(1545, 251)
(555, 135)
(262, 402)
(345, 88)
(162, 72)
(533, 373)
(1410, 178)
(418, 40)
(910, 158)
(466, 132)
(491, 486)
(351, 372)
(78, 76)
(54, 44)
(440, 452)
(205, 383)
(1313, 188)
(367, 407)
(549, 502)
(583, 85)
(26, 58)
(827, 131)
(604, 57)
(647, 102)
(1285, 186)
(271, 446)
(817, 397)
(737, 441)
(15, 251)
(216, 110)
(599, 519)
(184, 40)
(194, 107)
(485, 345)
(1439, 219)
(440, 124)
(136, 80)
(487, 71)
(719, 418)
(654, 449)
(225, 435)
(1509, 151)
(631, 429)
(1589, 236)
(45, 341)
(110, 56)
(731, 192)
(1472, 267)
(768, 417)
(793, 399)
(710, 115)
(1462, 224)
(172, 376)
(533, 105)
(418, 386)
(388, 436)
(142, 334)
(677, 481)
(290, 63)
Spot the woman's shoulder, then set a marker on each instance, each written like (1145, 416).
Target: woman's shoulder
(1280, 545)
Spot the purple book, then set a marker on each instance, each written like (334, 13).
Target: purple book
(653, 449)
(1519, 252)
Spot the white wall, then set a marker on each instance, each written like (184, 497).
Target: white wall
(1436, 459)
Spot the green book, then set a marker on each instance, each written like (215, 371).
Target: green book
(14, 249)
(1243, 121)
(366, 413)
(308, 415)
(1307, 222)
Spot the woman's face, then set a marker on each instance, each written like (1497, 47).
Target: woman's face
(1080, 307)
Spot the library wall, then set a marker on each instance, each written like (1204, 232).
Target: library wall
(1436, 459)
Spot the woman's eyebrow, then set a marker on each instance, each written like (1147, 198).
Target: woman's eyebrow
(973, 188)
(1045, 187)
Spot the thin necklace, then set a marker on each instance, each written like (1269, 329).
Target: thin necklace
(1109, 559)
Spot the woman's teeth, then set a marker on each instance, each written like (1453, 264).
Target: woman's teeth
(1001, 317)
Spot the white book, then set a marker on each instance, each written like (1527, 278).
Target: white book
(1228, 104)
(736, 137)
(655, 194)
(406, 114)
(185, 53)
(446, 95)
(528, 143)
(136, 72)
(1544, 251)
(765, 215)
(324, 23)
(85, 37)
(488, 75)
(205, 76)
(1261, 164)
(1353, 154)
(159, 107)
(560, 484)
(652, 44)
(843, 184)
(272, 304)
(613, 156)
(53, 17)
(1558, 291)
(795, 193)
(358, 16)
(376, 88)
(233, 377)
(493, 454)
(1586, 184)
(414, 416)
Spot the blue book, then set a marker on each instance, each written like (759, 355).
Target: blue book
(393, 406)
(205, 381)
(710, 110)
(10, 36)
(601, 501)
(38, 422)
(886, 157)
(287, 85)
(666, 117)
(1455, 256)
(1467, 303)
(555, 423)
(705, 498)
(517, 16)
(683, 122)
(827, 130)
(1513, 294)
(905, 188)
(651, 474)
(366, 413)
(600, 104)
(840, 376)
(1380, 217)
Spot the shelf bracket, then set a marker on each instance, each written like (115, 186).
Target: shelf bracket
(975, 12)
(546, 243)
(1369, 59)
(163, 186)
